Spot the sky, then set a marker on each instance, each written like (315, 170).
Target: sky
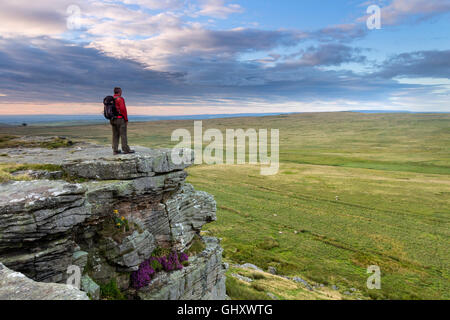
(186, 57)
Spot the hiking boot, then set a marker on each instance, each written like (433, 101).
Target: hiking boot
(129, 152)
(117, 152)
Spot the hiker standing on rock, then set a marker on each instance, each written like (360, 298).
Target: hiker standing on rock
(116, 112)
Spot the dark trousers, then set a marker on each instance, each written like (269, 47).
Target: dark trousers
(119, 128)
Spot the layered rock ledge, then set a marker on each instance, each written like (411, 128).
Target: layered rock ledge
(67, 218)
(16, 286)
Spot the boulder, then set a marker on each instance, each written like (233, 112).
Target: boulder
(241, 278)
(131, 252)
(272, 270)
(90, 287)
(104, 166)
(32, 210)
(250, 266)
(91, 161)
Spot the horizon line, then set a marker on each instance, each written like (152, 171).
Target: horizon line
(220, 114)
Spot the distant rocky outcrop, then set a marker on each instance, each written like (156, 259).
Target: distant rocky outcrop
(67, 217)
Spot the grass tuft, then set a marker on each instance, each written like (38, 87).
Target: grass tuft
(197, 246)
(111, 291)
(237, 290)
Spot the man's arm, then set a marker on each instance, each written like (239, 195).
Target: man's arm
(123, 108)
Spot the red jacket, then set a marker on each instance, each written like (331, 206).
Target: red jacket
(121, 107)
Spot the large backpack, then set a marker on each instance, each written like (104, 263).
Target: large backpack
(110, 110)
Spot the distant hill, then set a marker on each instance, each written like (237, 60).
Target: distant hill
(391, 111)
(57, 120)
(85, 119)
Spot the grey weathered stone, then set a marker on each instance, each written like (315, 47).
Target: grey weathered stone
(154, 186)
(100, 270)
(250, 266)
(140, 200)
(80, 259)
(272, 270)
(144, 163)
(108, 168)
(272, 296)
(188, 211)
(203, 279)
(48, 225)
(92, 161)
(16, 286)
(40, 174)
(31, 210)
(300, 280)
(47, 262)
(242, 278)
(90, 287)
(132, 251)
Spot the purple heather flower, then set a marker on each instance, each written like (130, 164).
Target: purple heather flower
(145, 273)
(184, 257)
(143, 276)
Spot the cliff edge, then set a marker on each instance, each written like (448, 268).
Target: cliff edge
(130, 222)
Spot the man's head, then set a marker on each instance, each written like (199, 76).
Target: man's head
(118, 91)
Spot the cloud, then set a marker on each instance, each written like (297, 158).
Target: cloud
(33, 18)
(328, 55)
(399, 10)
(97, 18)
(45, 69)
(340, 33)
(50, 70)
(59, 74)
(115, 21)
(434, 64)
(169, 50)
(218, 8)
(157, 4)
(403, 11)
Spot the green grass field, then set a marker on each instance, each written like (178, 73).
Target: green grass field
(353, 190)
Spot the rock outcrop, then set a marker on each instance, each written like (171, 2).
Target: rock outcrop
(48, 225)
(16, 286)
(202, 279)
